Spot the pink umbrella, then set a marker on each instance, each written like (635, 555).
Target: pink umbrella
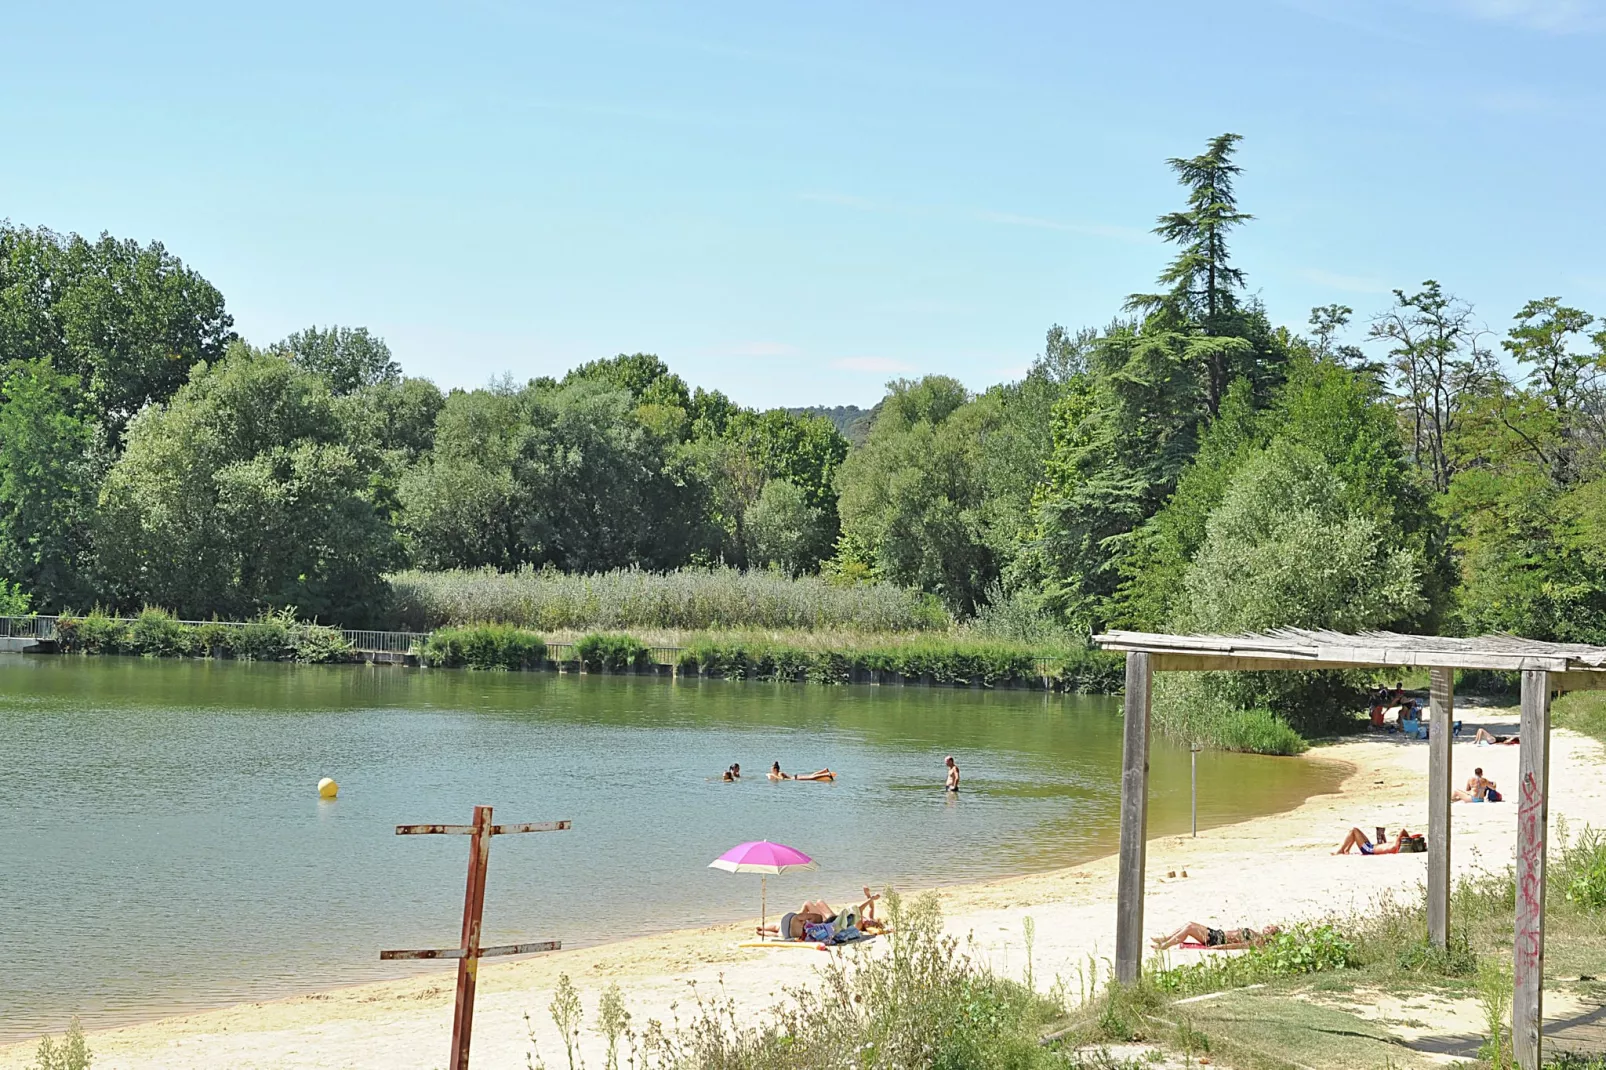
(763, 857)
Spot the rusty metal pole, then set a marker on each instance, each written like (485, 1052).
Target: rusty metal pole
(468, 967)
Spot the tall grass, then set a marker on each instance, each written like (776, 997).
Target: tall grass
(921, 1004)
(156, 633)
(484, 646)
(549, 600)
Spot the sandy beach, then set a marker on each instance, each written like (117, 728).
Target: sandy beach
(1277, 868)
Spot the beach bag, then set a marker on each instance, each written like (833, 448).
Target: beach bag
(1416, 844)
(1492, 796)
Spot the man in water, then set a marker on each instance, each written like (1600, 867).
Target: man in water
(953, 773)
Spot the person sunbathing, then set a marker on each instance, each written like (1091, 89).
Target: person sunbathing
(1357, 838)
(820, 774)
(1488, 739)
(818, 920)
(1223, 939)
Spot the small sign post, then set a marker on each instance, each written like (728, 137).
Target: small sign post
(469, 952)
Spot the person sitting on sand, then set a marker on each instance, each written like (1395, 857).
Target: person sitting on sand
(1479, 789)
(1224, 939)
(819, 774)
(805, 922)
(1357, 838)
(1488, 739)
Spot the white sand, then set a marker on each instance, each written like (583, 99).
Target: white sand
(1271, 869)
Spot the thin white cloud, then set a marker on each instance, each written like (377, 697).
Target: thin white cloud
(1549, 16)
(1098, 230)
(880, 365)
(1356, 284)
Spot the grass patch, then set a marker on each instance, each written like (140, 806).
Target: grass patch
(547, 600)
(1582, 711)
(612, 653)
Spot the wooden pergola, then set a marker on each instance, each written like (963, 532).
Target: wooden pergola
(1546, 668)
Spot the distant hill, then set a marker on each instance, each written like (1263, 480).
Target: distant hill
(851, 421)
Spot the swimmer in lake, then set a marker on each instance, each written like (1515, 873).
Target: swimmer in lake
(819, 774)
(953, 774)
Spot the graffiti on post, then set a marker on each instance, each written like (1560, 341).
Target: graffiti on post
(1530, 875)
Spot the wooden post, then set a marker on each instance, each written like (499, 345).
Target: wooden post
(1533, 788)
(468, 967)
(469, 950)
(1134, 819)
(1440, 735)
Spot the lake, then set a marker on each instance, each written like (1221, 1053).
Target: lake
(163, 847)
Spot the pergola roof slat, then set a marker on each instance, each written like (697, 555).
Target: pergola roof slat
(1286, 648)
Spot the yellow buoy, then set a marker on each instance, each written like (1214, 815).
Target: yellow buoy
(327, 788)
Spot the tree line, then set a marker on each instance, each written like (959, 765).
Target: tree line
(1187, 465)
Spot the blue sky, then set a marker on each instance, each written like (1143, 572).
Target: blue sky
(795, 203)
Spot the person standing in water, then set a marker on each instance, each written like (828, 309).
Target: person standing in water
(953, 774)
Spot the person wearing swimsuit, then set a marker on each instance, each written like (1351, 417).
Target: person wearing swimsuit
(953, 773)
(1220, 939)
(1358, 840)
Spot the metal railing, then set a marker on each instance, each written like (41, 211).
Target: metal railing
(368, 641)
(364, 641)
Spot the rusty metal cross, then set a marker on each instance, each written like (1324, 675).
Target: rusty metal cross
(469, 952)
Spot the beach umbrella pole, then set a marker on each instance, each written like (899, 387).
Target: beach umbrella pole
(763, 904)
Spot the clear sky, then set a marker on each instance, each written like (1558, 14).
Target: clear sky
(795, 203)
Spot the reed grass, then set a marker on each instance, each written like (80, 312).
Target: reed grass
(547, 600)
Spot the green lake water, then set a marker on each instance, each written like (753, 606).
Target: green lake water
(163, 848)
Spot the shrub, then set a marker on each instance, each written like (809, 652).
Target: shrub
(156, 634)
(319, 644)
(265, 639)
(548, 600)
(612, 653)
(95, 633)
(484, 646)
(214, 639)
(71, 1054)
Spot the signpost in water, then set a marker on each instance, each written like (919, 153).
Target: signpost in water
(469, 952)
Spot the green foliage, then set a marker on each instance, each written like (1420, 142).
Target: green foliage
(783, 531)
(1303, 949)
(245, 493)
(582, 477)
(599, 652)
(71, 1053)
(46, 484)
(14, 601)
(962, 662)
(127, 321)
(922, 1004)
(156, 633)
(347, 358)
(549, 600)
(484, 646)
(1581, 865)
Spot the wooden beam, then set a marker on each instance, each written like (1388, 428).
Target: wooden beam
(1533, 790)
(1350, 658)
(1134, 819)
(468, 967)
(485, 952)
(1440, 734)
(1578, 680)
(470, 830)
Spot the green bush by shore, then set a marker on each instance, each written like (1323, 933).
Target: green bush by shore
(484, 646)
(548, 600)
(155, 633)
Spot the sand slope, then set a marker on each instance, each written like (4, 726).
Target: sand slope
(1272, 869)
